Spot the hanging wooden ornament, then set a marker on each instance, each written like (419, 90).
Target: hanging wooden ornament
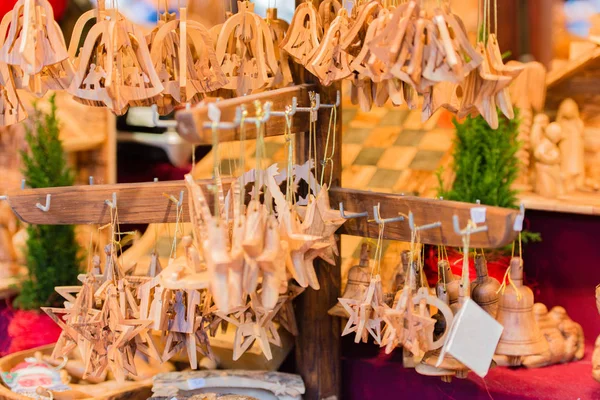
(327, 61)
(365, 315)
(11, 108)
(304, 33)
(184, 58)
(503, 99)
(34, 39)
(278, 27)
(328, 9)
(272, 264)
(114, 68)
(245, 51)
(387, 45)
(55, 76)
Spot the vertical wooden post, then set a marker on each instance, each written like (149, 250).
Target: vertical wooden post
(318, 352)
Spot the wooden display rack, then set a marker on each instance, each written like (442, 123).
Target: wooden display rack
(318, 345)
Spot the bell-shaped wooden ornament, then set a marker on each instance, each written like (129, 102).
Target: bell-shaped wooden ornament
(484, 289)
(278, 27)
(114, 68)
(359, 278)
(448, 284)
(184, 58)
(11, 108)
(304, 33)
(521, 335)
(34, 39)
(245, 51)
(35, 48)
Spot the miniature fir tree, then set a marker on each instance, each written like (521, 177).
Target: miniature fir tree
(485, 162)
(52, 251)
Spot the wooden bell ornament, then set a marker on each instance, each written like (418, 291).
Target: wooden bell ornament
(34, 39)
(12, 110)
(359, 278)
(304, 33)
(521, 335)
(278, 27)
(114, 68)
(34, 46)
(245, 51)
(184, 58)
(484, 289)
(448, 285)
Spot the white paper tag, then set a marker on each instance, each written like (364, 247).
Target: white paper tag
(518, 225)
(214, 113)
(196, 383)
(478, 215)
(473, 338)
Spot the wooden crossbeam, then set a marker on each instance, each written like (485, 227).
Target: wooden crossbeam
(190, 123)
(146, 203)
(499, 220)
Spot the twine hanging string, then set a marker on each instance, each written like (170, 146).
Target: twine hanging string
(312, 139)
(507, 277)
(378, 252)
(328, 159)
(260, 150)
(289, 190)
(242, 156)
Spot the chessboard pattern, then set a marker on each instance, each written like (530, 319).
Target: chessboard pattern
(387, 149)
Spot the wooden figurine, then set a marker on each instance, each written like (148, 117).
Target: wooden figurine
(564, 337)
(521, 336)
(304, 33)
(571, 146)
(484, 289)
(547, 155)
(359, 278)
(183, 55)
(401, 271)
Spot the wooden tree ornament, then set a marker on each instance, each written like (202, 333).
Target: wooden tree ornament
(114, 68)
(184, 58)
(245, 51)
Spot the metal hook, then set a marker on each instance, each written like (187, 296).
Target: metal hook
(22, 184)
(338, 100)
(91, 180)
(311, 108)
(158, 122)
(45, 208)
(177, 202)
(291, 112)
(467, 229)
(518, 224)
(379, 220)
(265, 117)
(112, 204)
(411, 223)
(351, 216)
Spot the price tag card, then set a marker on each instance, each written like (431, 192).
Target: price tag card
(196, 383)
(214, 113)
(478, 215)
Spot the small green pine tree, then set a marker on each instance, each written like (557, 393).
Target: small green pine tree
(485, 162)
(53, 257)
